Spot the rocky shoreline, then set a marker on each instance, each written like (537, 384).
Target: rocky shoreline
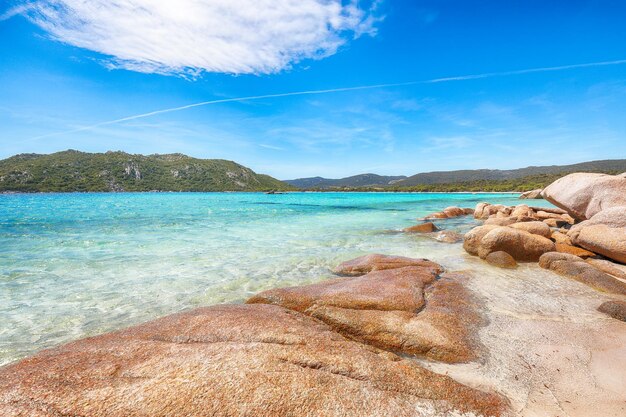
(387, 336)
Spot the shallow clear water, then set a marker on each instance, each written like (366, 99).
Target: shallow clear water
(73, 265)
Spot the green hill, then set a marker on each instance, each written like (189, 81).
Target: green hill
(71, 170)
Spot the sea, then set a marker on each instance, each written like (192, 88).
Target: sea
(80, 264)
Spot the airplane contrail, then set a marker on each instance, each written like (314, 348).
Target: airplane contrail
(335, 90)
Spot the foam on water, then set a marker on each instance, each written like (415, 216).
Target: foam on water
(73, 265)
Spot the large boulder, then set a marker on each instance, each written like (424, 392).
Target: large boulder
(403, 310)
(536, 228)
(614, 217)
(602, 239)
(234, 360)
(583, 195)
(472, 239)
(521, 245)
(576, 268)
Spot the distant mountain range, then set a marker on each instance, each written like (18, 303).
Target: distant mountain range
(119, 171)
(458, 177)
(363, 180)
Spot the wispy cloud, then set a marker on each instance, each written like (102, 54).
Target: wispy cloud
(334, 90)
(187, 37)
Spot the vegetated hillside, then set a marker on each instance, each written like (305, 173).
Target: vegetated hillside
(465, 176)
(362, 180)
(71, 170)
(528, 183)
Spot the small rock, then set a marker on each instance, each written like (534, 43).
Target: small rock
(560, 237)
(422, 228)
(615, 309)
(532, 195)
(501, 259)
(453, 211)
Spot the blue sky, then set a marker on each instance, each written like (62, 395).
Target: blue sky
(69, 64)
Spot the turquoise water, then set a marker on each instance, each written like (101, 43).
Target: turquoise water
(73, 265)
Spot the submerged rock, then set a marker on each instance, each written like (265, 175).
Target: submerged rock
(501, 259)
(447, 236)
(576, 268)
(230, 360)
(583, 195)
(615, 309)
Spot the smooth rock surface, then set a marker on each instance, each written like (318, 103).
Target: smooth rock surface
(609, 267)
(536, 228)
(548, 348)
(579, 270)
(607, 241)
(230, 360)
(390, 289)
(614, 217)
(583, 195)
(387, 309)
(377, 262)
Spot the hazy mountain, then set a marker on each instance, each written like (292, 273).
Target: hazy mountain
(363, 180)
(448, 177)
(118, 171)
(459, 177)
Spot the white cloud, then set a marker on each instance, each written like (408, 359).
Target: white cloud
(188, 37)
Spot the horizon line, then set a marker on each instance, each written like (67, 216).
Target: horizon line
(334, 90)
